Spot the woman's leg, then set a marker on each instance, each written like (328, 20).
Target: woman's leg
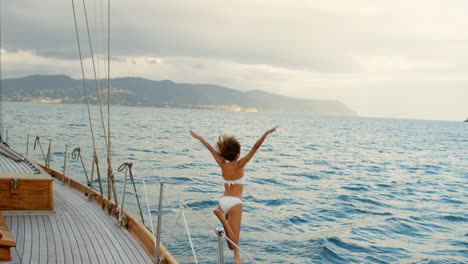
(234, 219)
(232, 225)
(227, 228)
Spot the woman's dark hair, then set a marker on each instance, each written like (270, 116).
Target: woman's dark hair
(228, 147)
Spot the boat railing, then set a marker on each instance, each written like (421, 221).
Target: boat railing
(218, 230)
(122, 216)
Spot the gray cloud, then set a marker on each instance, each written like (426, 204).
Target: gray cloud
(331, 49)
(311, 35)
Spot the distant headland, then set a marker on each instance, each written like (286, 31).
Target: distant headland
(133, 91)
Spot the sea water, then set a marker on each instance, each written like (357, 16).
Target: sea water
(320, 189)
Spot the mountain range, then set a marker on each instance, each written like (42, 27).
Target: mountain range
(133, 91)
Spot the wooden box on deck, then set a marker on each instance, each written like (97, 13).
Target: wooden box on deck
(26, 192)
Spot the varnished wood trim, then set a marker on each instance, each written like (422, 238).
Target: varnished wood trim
(51, 201)
(7, 240)
(135, 228)
(26, 179)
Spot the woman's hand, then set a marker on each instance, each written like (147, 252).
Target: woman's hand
(215, 154)
(194, 135)
(271, 130)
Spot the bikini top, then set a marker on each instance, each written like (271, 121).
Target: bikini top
(238, 181)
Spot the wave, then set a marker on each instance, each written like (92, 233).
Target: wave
(356, 188)
(307, 175)
(203, 204)
(455, 218)
(275, 202)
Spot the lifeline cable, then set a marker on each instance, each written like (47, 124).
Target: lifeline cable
(214, 228)
(188, 234)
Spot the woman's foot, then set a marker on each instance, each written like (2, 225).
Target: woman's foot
(238, 261)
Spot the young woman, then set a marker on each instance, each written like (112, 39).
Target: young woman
(229, 210)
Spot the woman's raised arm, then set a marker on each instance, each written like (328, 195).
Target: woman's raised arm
(254, 149)
(215, 154)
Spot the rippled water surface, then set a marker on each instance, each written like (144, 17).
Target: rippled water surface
(320, 189)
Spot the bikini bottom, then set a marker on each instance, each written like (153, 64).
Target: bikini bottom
(227, 202)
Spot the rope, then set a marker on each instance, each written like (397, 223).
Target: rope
(188, 234)
(95, 162)
(95, 74)
(76, 154)
(131, 199)
(214, 228)
(38, 142)
(171, 235)
(110, 175)
(149, 212)
(128, 166)
(85, 88)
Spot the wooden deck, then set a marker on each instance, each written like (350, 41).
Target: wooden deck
(78, 232)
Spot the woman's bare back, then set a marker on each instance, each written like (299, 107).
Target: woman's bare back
(232, 171)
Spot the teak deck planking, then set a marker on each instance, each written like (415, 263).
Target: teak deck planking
(78, 232)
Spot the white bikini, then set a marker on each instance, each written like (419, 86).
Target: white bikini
(238, 181)
(227, 202)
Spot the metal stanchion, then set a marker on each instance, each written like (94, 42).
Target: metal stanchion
(48, 154)
(27, 145)
(158, 229)
(65, 166)
(220, 231)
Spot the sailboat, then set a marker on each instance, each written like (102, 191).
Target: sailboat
(50, 220)
(47, 217)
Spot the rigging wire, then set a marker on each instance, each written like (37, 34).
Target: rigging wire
(84, 80)
(94, 70)
(102, 34)
(110, 176)
(95, 157)
(97, 44)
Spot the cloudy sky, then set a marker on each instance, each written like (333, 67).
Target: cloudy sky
(398, 59)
